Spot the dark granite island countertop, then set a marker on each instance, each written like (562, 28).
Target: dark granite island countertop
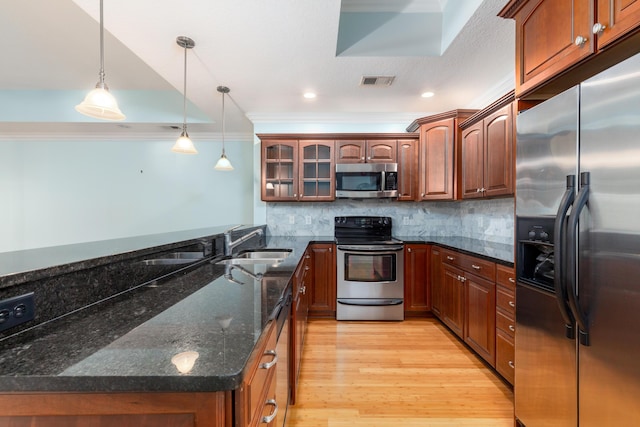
(127, 342)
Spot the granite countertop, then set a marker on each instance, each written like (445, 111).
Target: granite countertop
(127, 342)
(492, 251)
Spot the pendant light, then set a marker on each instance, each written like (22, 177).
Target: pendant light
(223, 163)
(99, 103)
(183, 143)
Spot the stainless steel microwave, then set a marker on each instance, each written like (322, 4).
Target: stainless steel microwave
(366, 180)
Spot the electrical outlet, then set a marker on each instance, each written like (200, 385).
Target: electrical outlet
(307, 219)
(292, 219)
(17, 310)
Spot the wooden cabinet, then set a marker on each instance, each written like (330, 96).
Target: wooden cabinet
(366, 151)
(488, 154)
(255, 399)
(480, 320)
(437, 281)
(322, 286)
(615, 19)
(299, 313)
(116, 409)
(317, 171)
(408, 169)
(439, 155)
(301, 167)
(294, 170)
(468, 300)
(452, 310)
(279, 170)
(505, 321)
(416, 279)
(558, 44)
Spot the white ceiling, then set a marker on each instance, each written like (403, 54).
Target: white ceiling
(268, 52)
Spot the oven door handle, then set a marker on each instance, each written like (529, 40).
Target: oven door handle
(370, 302)
(368, 249)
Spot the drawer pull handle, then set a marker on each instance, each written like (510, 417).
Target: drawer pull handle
(269, 418)
(512, 304)
(269, 365)
(307, 256)
(512, 328)
(513, 366)
(512, 280)
(475, 267)
(307, 268)
(450, 258)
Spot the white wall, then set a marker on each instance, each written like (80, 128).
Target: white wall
(56, 192)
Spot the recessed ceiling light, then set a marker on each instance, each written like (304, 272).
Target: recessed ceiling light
(427, 94)
(309, 95)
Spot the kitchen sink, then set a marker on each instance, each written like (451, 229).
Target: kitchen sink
(258, 256)
(174, 258)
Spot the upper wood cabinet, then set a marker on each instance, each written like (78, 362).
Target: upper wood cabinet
(366, 151)
(408, 169)
(560, 43)
(279, 170)
(488, 162)
(439, 155)
(297, 170)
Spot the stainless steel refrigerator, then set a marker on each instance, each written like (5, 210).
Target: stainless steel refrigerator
(577, 339)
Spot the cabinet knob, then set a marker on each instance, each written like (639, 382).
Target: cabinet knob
(580, 41)
(408, 249)
(512, 304)
(295, 195)
(513, 366)
(421, 194)
(512, 328)
(477, 190)
(361, 158)
(330, 249)
(307, 268)
(307, 256)
(512, 280)
(598, 28)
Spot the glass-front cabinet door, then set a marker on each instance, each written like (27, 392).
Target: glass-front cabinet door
(317, 170)
(279, 170)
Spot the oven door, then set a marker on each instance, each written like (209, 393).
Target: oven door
(370, 272)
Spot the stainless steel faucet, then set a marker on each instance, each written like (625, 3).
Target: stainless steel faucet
(229, 245)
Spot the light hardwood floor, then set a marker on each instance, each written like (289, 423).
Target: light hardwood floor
(400, 374)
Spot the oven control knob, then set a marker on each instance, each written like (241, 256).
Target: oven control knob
(544, 235)
(532, 234)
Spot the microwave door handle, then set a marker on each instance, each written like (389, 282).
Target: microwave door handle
(560, 267)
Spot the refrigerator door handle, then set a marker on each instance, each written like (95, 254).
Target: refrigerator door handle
(560, 270)
(572, 242)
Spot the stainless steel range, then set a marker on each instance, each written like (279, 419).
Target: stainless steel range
(370, 265)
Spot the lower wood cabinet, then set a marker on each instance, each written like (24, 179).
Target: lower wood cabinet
(416, 279)
(299, 316)
(480, 319)
(322, 284)
(452, 311)
(437, 281)
(505, 321)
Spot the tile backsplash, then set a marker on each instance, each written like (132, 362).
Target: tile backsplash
(490, 220)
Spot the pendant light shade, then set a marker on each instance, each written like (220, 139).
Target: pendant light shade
(223, 163)
(99, 103)
(183, 143)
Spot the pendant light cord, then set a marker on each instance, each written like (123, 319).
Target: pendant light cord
(101, 83)
(223, 120)
(184, 101)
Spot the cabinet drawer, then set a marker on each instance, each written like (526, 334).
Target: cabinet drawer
(479, 267)
(505, 323)
(505, 355)
(506, 276)
(258, 382)
(506, 300)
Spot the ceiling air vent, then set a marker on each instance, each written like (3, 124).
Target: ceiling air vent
(376, 80)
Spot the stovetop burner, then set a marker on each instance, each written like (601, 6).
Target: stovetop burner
(358, 230)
